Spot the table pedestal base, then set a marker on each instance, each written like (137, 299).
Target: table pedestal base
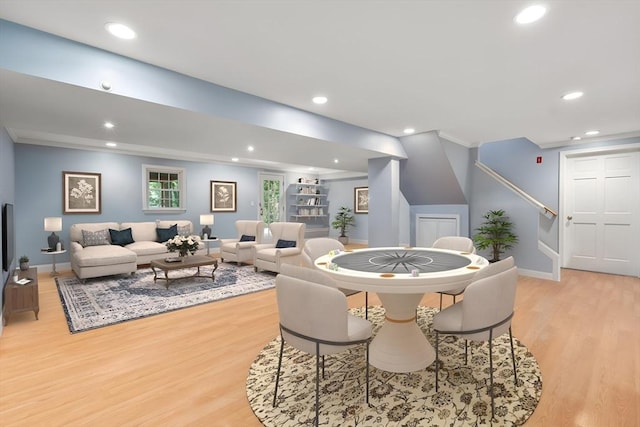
(400, 345)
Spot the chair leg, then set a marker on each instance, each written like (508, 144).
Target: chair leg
(440, 302)
(323, 366)
(491, 373)
(454, 299)
(367, 373)
(513, 358)
(317, 382)
(466, 348)
(366, 305)
(275, 393)
(437, 359)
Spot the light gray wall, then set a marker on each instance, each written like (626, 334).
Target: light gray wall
(427, 176)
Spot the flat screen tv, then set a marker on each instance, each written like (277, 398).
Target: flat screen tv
(8, 237)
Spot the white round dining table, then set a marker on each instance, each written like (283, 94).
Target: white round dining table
(400, 277)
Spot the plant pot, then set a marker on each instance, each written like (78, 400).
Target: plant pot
(24, 266)
(343, 239)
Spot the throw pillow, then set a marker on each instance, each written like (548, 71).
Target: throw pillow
(165, 234)
(245, 238)
(121, 237)
(184, 230)
(285, 244)
(95, 238)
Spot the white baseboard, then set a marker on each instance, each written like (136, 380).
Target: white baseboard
(48, 268)
(536, 274)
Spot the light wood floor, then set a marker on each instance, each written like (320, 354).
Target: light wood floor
(188, 368)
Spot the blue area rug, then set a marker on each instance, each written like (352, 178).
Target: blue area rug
(106, 301)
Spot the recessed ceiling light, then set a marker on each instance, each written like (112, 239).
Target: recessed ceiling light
(105, 85)
(109, 125)
(336, 161)
(120, 30)
(111, 144)
(576, 138)
(234, 159)
(250, 148)
(530, 14)
(592, 132)
(409, 131)
(319, 99)
(572, 95)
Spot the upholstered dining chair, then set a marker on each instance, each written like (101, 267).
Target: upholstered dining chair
(314, 319)
(319, 246)
(239, 249)
(287, 240)
(454, 243)
(484, 314)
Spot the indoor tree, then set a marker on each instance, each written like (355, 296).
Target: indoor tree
(495, 233)
(344, 219)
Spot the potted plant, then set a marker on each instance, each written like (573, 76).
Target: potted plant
(344, 219)
(495, 233)
(24, 263)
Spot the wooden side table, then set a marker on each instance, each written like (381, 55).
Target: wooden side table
(18, 297)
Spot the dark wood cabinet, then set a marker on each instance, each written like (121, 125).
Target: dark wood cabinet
(18, 297)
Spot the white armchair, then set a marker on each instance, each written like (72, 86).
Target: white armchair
(240, 249)
(287, 240)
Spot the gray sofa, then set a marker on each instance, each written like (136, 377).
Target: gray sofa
(93, 254)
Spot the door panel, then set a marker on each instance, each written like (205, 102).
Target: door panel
(602, 200)
(430, 228)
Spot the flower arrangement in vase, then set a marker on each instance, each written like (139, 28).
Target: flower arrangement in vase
(184, 245)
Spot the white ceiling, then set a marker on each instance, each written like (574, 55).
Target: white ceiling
(463, 68)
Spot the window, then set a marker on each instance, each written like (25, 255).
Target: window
(163, 188)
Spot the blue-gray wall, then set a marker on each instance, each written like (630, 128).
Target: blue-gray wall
(39, 192)
(516, 161)
(7, 186)
(341, 193)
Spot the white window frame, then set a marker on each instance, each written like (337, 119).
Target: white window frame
(182, 178)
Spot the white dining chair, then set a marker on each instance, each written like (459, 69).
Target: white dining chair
(484, 314)
(314, 318)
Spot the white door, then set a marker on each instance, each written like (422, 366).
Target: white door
(429, 228)
(602, 206)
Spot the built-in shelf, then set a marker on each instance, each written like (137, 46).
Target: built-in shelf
(308, 204)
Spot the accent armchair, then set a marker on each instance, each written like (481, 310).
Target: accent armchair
(287, 240)
(240, 249)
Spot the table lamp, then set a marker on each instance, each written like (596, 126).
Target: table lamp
(53, 224)
(206, 220)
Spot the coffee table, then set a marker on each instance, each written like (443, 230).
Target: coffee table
(186, 262)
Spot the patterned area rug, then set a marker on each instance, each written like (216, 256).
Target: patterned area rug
(106, 301)
(397, 399)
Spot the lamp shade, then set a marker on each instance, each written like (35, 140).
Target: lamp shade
(53, 224)
(206, 219)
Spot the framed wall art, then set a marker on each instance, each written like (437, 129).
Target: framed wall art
(82, 192)
(223, 196)
(361, 200)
